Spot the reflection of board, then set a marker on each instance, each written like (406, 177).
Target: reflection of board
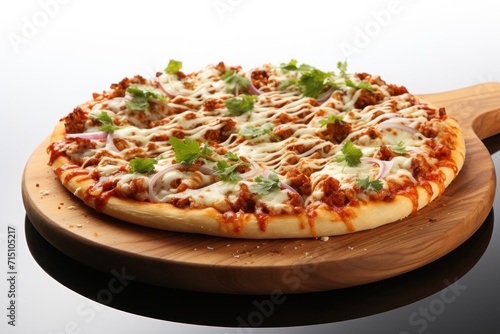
(215, 264)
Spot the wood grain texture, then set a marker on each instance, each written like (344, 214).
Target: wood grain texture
(213, 264)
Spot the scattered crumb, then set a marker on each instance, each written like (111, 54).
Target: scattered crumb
(71, 225)
(79, 225)
(44, 193)
(324, 239)
(208, 247)
(37, 185)
(96, 234)
(276, 251)
(350, 247)
(228, 245)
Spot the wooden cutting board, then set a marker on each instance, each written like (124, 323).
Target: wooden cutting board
(211, 264)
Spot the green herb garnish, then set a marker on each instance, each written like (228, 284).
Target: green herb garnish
(173, 66)
(142, 165)
(350, 154)
(140, 98)
(250, 131)
(107, 123)
(342, 67)
(235, 82)
(266, 185)
(361, 85)
(188, 150)
(310, 80)
(312, 83)
(400, 148)
(231, 156)
(332, 119)
(292, 66)
(227, 172)
(240, 104)
(367, 184)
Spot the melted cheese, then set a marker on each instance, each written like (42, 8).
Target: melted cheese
(194, 108)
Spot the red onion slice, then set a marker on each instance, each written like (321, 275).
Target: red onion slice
(292, 190)
(159, 175)
(256, 169)
(110, 145)
(168, 90)
(325, 96)
(252, 89)
(384, 166)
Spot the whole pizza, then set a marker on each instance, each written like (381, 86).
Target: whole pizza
(277, 151)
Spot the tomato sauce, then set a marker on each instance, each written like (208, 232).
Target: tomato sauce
(101, 200)
(262, 219)
(235, 221)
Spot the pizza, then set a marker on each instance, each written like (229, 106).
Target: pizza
(275, 151)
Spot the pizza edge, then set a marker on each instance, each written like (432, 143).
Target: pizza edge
(209, 221)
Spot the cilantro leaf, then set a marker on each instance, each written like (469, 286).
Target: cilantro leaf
(362, 85)
(240, 104)
(206, 151)
(400, 148)
(227, 172)
(266, 185)
(250, 131)
(235, 81)
(173, 66)
(140, 98)
(142, 165)
(291, 66)
(107, 123)
(312, 83)
(332, 119)
(342, 67)
(306, 84)
(367, 184)
(231, 156)
(188, 150)
(350, 154)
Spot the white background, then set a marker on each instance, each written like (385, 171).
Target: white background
(55, 53)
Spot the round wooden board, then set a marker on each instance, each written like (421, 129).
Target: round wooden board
(221, 265)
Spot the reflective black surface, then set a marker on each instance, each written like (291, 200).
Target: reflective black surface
(289, 310)
(458, 293)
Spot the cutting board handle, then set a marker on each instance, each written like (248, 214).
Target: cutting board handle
(476, 108)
